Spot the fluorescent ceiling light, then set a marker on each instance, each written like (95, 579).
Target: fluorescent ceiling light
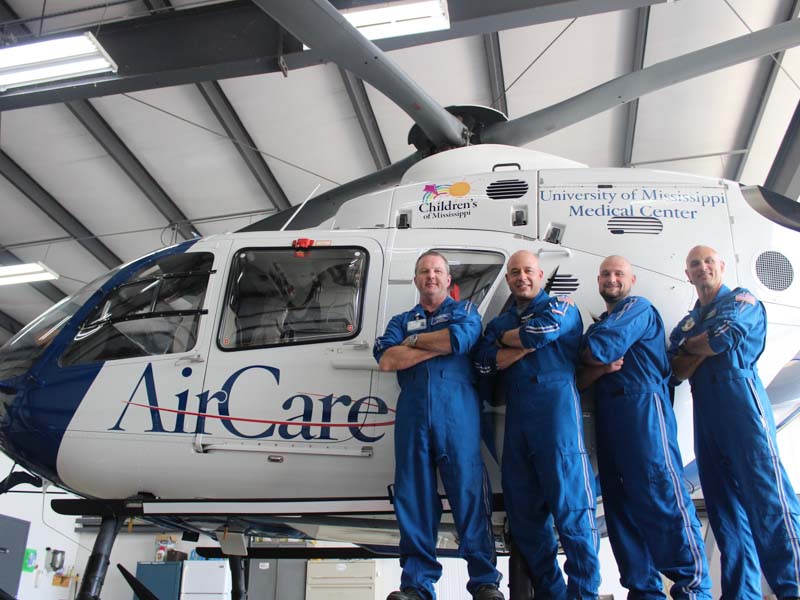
(26, 273)
(403, 17)
(52, 60)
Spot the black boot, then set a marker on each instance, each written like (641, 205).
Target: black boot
(405, 594)
(488, 592)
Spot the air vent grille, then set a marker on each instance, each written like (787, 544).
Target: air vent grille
(561, 283)
(507, 189)
(635, 225)
(774, 270)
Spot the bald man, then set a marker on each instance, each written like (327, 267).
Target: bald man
(651, 520)
(533, 348)
(752, 507)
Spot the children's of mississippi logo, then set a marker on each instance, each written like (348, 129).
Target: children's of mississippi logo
(433, 191)
(441, 201)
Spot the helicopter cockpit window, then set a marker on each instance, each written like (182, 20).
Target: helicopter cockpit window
(472, 273)
(156, 311)
(283, 296)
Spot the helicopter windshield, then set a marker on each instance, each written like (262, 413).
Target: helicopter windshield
(155, 311)
(20, 352)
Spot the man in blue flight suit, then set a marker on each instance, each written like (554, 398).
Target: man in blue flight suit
(651, 520)
(751, 505)
(438, 427)
(533, 347)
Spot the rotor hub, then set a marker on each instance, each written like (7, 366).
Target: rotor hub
(475, 118)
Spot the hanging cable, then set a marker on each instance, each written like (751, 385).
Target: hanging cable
(41, 19)
(222, 135)
(772, 56)
(535, 60)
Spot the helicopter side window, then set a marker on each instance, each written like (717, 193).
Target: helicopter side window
(156, 311)
(472, 273)
(283, 296)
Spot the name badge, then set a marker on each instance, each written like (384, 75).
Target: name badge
(417, 325)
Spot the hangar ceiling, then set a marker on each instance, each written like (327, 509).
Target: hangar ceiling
(218, 118)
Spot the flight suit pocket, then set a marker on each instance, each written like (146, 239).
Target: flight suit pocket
(577, 480)
(666, 499)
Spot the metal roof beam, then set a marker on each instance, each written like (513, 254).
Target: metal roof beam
(158, 5)
(226, 115)
(640, 43)
(47, 289)
(366, 118)
(110, 141)
(223, 110)
(235, 39)
(784, 175)
(494, 64)
(9, 323)
(50, 206)
(736, 168)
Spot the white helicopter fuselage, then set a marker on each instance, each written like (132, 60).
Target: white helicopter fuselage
(253, 412)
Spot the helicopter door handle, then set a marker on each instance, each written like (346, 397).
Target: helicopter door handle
(186, 360)
(566, 251)
(357, 344)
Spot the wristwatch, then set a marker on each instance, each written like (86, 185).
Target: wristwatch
(412, 340)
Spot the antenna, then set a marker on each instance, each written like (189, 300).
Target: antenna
(299, 208)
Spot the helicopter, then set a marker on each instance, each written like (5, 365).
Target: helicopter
(226, 386)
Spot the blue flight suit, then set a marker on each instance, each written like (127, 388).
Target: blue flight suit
(747, 493)
(651, 520)
(438, 427)
(546, 472)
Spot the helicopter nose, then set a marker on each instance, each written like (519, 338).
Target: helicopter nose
(35, 411)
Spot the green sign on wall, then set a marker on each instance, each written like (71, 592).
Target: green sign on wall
(29, 560)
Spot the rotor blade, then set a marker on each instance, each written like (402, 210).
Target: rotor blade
(633, 85)
(137, 586)
(323, 207)
(320, 26)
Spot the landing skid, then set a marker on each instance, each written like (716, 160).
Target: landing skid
(113, 513)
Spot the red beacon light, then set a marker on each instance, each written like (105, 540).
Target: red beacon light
(300, 245)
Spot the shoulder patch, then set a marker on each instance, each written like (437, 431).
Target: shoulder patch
(746, 297)
(559, 305)
(687, 324)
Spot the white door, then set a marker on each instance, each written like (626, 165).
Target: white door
(288, 382)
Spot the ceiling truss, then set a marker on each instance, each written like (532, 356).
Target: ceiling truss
(172, 47)
(117, 150)
(366, 118)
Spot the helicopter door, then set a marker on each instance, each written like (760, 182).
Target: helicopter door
(289, 373)
(146, 340)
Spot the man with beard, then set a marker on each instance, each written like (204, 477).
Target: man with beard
(438, 428)
(751, 505)
(533, 348)
(651, 520)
